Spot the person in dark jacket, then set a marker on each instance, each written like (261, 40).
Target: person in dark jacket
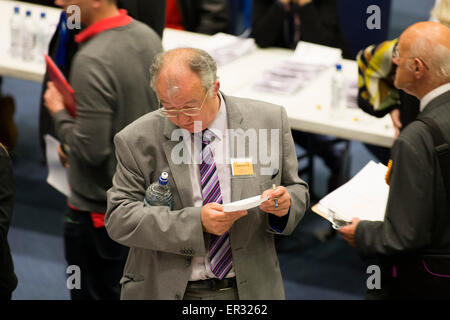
(282, 23)
(202, 16)
(8, 279)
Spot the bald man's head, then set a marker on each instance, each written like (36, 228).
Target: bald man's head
(423, 58)
(177, 61)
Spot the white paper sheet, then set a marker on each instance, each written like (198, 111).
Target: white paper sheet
(57, 174)
(364, 196)
(315, 54)
(225, 47)
(244, 204)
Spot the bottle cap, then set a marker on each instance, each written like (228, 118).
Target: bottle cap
(28, 13)
(163, 179)
(338, 67)
(42, 14)
(16, 9)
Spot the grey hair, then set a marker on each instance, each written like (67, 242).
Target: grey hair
(199, 61)
(435, 55)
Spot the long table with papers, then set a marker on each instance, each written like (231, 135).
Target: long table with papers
(307, 108)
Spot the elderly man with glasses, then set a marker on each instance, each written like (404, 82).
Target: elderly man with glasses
(197, 250)
(413, 242)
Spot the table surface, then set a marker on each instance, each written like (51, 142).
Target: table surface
(15, 66)
(307, 109)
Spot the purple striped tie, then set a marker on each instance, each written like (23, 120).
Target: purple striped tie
(219, 246)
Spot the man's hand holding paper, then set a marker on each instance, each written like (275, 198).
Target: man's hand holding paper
(216, 221)
(349, 231)
(283, 198)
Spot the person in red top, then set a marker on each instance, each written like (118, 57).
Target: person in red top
(109, 95)
(203, 16)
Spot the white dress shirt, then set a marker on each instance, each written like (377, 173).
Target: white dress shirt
(433, 94)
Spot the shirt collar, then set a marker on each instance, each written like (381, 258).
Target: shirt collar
(433, 94)
(120, 20)
(218, 126)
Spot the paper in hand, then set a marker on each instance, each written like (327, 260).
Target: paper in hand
(244, 204)
(57, 174)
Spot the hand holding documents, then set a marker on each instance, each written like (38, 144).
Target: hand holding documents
(364, 197)
(244, 204)
(62, 85)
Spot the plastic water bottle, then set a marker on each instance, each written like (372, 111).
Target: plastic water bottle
(28, 36)
(338, 93)
(158, 193)
(15, 25)
(42, 37)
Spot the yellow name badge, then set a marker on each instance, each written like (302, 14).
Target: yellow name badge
(241, 167)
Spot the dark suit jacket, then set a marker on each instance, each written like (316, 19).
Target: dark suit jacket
(319, 23)
(8, 280)
(207, 17)
(150, 12)
(417, 216)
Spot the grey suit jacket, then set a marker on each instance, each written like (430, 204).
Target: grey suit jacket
(163, 242)
(417, 216)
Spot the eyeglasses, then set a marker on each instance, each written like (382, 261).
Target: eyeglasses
(396, 55)
(191, 112)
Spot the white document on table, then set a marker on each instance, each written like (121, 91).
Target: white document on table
(316, 54)
(244, 204)
(57, 174)
(364, 196)
(225, 47)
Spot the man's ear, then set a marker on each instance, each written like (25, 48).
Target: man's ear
(419, 68)
(216, 86)
(97, 3)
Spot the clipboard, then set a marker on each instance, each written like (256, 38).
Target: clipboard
(64, 88)
(336, 223)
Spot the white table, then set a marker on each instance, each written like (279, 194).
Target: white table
(15, 66)
(307, 109)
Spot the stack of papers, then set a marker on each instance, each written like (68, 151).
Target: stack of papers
(225, 47)
(307, 62)
(315, 54)
(287, 77)
(364, 197)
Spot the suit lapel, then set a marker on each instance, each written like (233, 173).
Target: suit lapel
(180, 172)
(235, 121)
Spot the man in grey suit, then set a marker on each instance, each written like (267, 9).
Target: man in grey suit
(413, 242)
(171, 251)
